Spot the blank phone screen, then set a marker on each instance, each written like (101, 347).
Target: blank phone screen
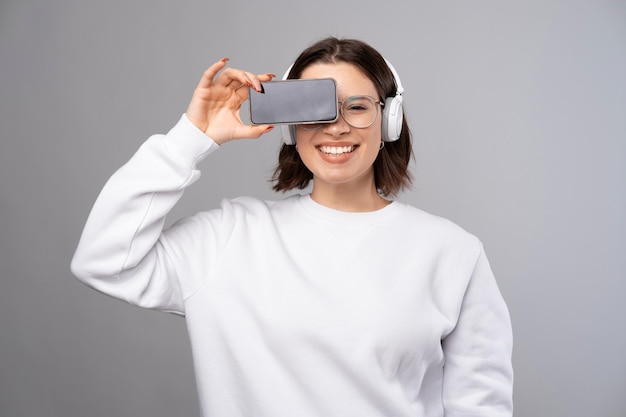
(294, 102)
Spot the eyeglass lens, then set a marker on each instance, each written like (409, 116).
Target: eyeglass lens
(358, 111)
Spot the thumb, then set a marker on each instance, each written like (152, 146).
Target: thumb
(258, 130)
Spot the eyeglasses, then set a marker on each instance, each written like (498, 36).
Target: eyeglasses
(358, 111)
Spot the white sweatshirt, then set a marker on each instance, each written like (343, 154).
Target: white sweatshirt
(298, 310)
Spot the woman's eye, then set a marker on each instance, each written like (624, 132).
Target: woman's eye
(357, 107)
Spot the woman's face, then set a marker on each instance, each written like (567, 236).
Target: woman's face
(337, 153)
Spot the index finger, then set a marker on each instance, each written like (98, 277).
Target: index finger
(210, 73)
(252, 80)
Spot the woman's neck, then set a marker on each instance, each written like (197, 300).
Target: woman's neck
(348, 197)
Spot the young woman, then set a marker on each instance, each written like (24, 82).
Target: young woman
(341, 302)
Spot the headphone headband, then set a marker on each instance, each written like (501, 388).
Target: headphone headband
(396, 77)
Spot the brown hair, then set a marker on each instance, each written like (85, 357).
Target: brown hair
(391, 173)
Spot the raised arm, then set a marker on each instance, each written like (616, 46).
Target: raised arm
(120, 252)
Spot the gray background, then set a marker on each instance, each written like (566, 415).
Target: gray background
(518, 111)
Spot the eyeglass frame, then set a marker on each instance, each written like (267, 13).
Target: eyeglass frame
(318, 125)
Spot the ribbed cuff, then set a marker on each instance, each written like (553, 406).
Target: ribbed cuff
(188, 142)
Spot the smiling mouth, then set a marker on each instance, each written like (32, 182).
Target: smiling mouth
(337, 150)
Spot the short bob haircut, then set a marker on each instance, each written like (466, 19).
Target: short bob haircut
(391, 173)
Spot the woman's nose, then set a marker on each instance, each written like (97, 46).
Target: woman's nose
(338, 127)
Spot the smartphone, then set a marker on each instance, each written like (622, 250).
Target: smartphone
(294, 102)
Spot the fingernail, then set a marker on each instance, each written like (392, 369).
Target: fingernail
(269, 128)
(225, 59)
(257, 86)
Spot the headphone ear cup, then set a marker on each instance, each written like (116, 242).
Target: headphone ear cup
(392, 119)
(288, 132)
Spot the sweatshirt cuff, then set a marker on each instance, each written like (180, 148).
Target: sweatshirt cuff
(188, 142)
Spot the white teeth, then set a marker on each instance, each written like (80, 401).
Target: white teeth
(336, 150)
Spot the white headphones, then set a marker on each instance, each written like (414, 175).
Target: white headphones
(392, 113)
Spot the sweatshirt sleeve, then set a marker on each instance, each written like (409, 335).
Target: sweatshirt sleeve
(478, 373)
(120, 252)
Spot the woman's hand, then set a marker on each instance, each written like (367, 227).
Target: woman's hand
(215, 104)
